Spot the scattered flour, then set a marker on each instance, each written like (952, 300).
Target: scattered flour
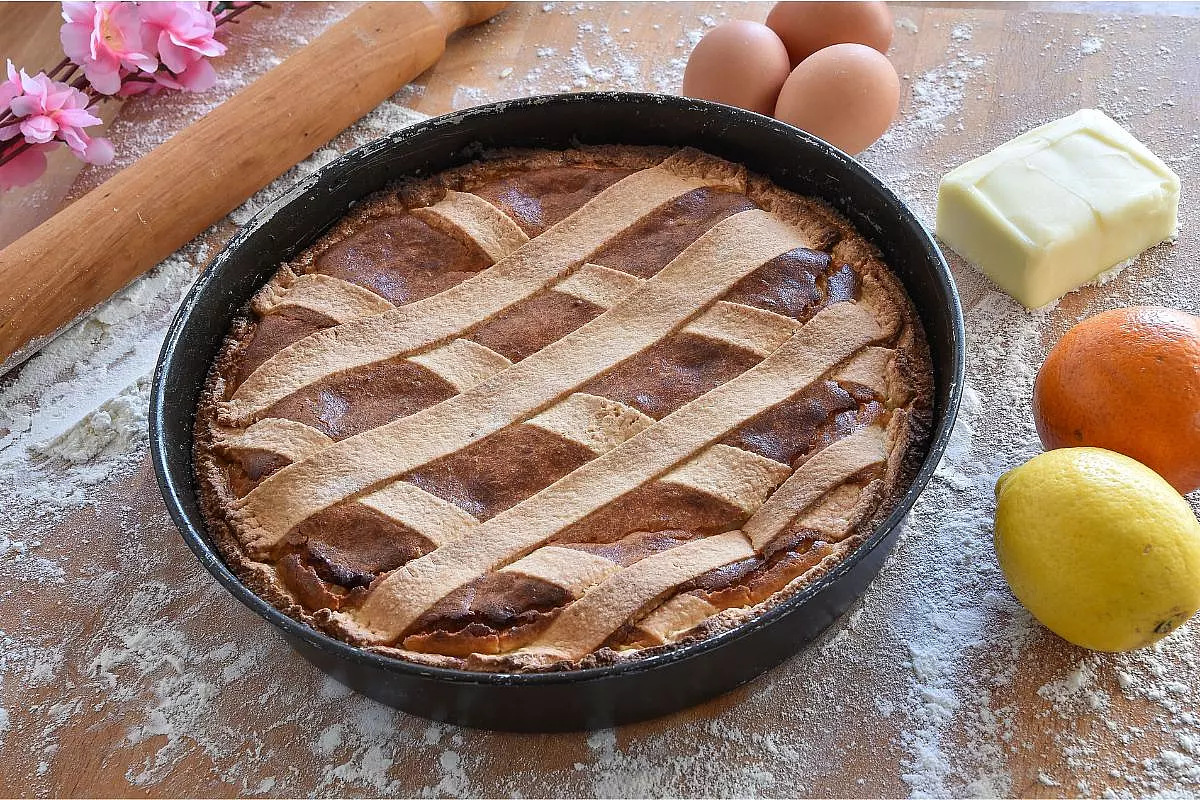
(1110, 274)
(938, 93)
(969, 643)
(115, 643)
(76, 411)
(115, 428)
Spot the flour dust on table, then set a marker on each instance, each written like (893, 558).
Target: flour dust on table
(116, 646)
(73, 429)
(974, 692)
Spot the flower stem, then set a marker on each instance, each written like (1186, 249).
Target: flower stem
(66, 62)
(234, 13)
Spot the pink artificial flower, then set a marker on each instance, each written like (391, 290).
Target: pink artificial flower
(105, 38)
(23, 169)
(47, 110)
(185, 35)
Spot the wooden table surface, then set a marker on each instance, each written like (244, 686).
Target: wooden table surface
(125, 670)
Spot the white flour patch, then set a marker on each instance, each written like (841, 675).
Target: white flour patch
(114, 429)
(1110, 274)
(76, 411)
(934, 109)
(938, 93)
(960, 610)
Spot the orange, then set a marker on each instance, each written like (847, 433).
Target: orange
(1127, 380)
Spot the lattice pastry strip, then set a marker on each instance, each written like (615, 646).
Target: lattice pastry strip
(697, 277)
(829, 338)
(333, 298)
(601, 286)
(585, 624)
(477, 219)
(436, 519)
(462, 363)
(675, 617)
(739, 477)
(416, 326)
(293, 440)
(576, 571)
(828, 469)
(597, 423)
(869, 368)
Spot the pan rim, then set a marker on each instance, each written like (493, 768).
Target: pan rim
(194, 532)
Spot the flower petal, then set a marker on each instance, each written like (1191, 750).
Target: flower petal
(174, 57)
(76, 41)
(75, 138)
(99, 151)
(199, 77)
(25, 105)
(76, 118)
(38, 129)
(73, 11)
(30, 85)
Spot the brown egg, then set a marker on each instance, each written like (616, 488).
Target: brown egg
(846, 94)
(808, 27)
(740, 64)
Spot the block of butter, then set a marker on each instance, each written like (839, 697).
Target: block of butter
(1050, 210)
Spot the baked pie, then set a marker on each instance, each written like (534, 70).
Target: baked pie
(559, 409)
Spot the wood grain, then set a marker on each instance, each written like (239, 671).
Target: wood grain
(267, 728)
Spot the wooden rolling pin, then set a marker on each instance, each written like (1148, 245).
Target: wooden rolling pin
(88, 251)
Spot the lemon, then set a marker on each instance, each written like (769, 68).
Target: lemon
(1098, 547)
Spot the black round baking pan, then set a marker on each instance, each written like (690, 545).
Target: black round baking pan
(583, 698)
